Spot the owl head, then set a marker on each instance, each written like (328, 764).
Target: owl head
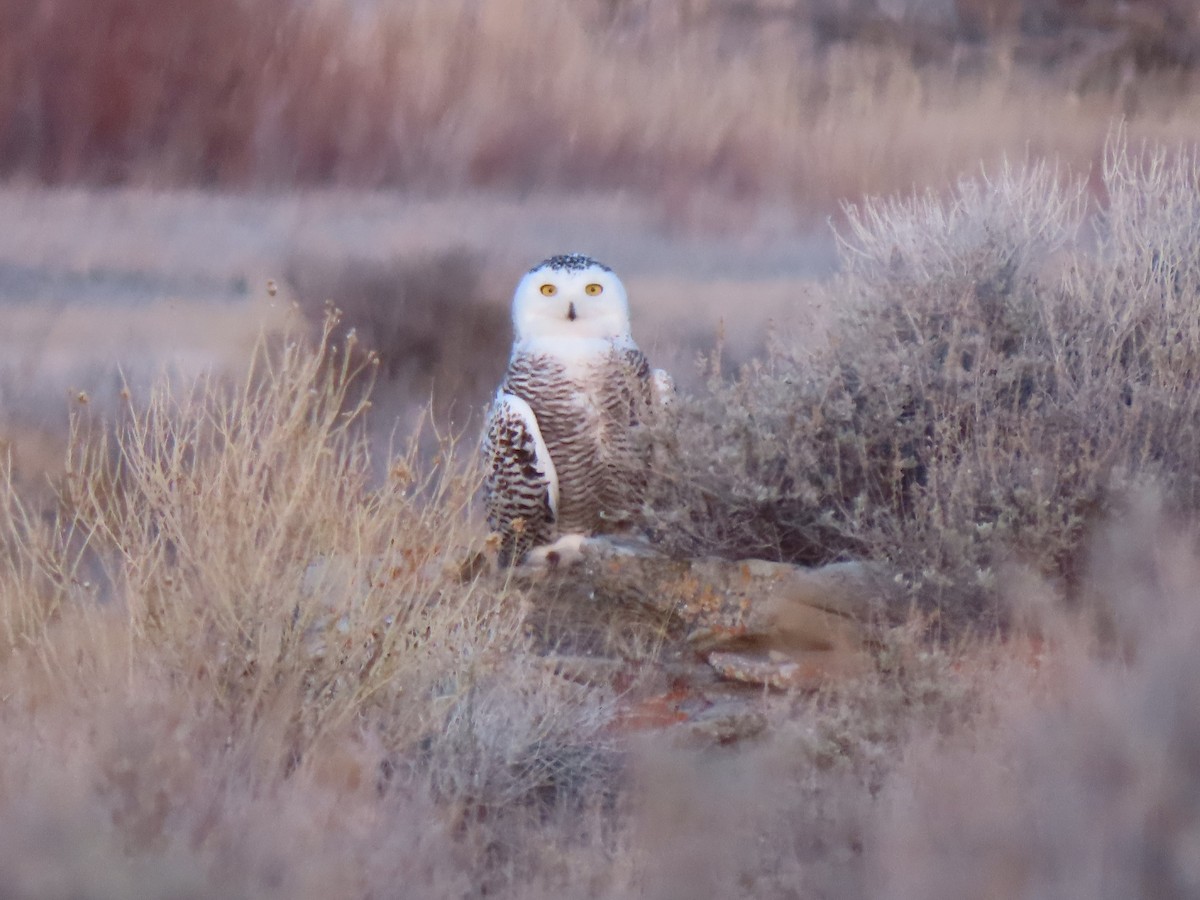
(570, 296)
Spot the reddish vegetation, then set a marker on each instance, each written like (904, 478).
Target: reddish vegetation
(525, 93)
(123, 89)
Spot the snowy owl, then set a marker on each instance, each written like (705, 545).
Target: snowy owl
(560, 451)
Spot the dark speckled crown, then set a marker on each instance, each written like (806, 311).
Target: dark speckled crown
(570, 262)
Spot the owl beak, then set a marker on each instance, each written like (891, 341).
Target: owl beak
(571, 314)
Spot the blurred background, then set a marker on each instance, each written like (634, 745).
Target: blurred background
(178, 175)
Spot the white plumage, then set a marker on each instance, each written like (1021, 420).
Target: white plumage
(560, 450)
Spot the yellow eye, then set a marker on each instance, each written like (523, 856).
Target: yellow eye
(549, 290)
(593, 289)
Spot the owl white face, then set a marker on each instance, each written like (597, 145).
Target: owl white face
(571, 296)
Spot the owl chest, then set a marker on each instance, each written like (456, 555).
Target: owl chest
(572, 415)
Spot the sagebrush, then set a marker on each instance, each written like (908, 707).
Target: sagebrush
(1005, 367)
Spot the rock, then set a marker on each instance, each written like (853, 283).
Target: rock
(803, 671)
(753, 621)
(726, 723)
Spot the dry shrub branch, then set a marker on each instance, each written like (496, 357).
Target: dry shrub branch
(259, 629)
(240, 533)
(1005, 367)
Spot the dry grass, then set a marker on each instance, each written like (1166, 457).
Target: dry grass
(245, 654)
(237, 663)
(253, 627)
(684, 100)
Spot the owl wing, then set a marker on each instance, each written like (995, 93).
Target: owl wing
(520, 483)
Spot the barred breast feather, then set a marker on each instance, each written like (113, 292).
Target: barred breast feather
(561, 455)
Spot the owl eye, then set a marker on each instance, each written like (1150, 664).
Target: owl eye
(593, 289)
(549, 290)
